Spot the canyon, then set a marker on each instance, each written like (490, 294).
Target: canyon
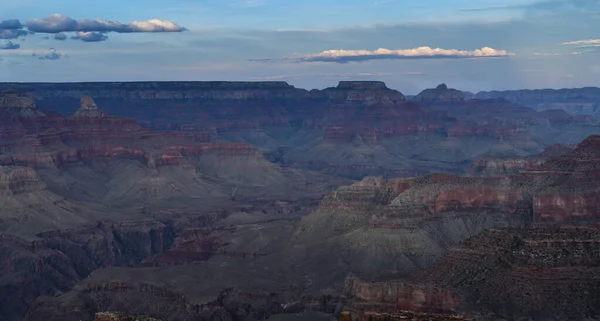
(253, 201)
(355, 129)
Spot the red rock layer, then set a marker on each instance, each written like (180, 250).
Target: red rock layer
(373, 300)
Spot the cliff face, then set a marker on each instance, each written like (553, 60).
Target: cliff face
(387, 297)
(503, 166)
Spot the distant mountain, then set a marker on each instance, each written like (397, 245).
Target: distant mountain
(575, 101)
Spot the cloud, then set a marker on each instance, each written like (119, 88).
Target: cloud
(56, 23)
(90, 36)
(52, 54)
(12, 33)
(346, 56)
(341, 75)
(11, 24)
(9, 45)
(547, 5)
(584, 43)
(11, 29)
(60, 36)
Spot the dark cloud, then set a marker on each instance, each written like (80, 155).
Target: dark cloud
(56, 23)
(11, 29)
(347, 56)
(60, 36)
(9, 45)
(52, 54)
(11, 24)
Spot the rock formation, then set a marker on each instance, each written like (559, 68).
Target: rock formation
(88, 108)
(19, 106)
(392, 227)
(549, 274)
(510, 165)
(440, 95)
(388, 297)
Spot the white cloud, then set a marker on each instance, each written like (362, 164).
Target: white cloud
(345, 56)
(584, 43)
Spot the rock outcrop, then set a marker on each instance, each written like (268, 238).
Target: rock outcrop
(17, 180)
(363, 299)
(549, 274)
(19, 106)
(510, 165)
(440, 95)
(88, 108)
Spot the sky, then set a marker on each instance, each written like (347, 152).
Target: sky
(410, 44)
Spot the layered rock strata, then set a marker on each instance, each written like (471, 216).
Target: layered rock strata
(549, 274)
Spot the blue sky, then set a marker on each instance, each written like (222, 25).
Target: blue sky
(471, 45)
